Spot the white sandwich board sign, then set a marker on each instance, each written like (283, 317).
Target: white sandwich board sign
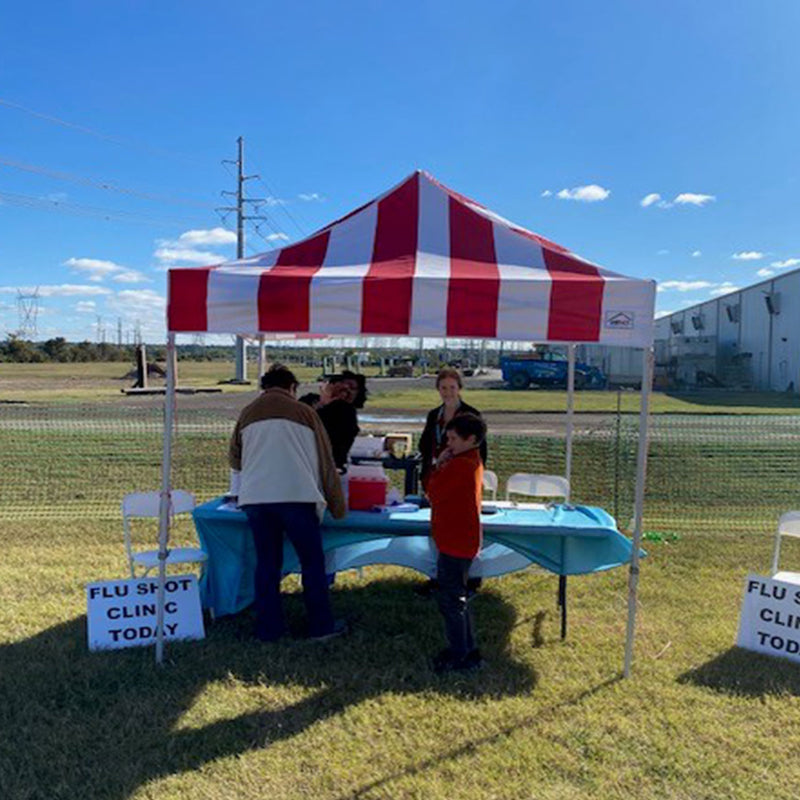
(124, 613)
(770, 619)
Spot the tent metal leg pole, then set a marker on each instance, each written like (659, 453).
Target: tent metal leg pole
(570, 415)
(641, 475)
(261, 358)
(562, 602)
(166, 499)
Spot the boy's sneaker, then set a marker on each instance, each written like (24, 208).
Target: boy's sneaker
(445, 662)
(427, 589)
(340, 628)
(472, 660)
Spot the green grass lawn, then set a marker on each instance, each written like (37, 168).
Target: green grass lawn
(93, 382)
(364, 716)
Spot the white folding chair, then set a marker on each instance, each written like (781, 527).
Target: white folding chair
(490, 482)
(146, 505)
(537, 485)
(532, 485)
(788, 525)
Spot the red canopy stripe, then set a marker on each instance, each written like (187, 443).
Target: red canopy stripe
(576, 298)
(284, 292)
(386, 298)
(474, 276)
(188, 292)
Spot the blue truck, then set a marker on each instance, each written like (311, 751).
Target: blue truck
(548, 370)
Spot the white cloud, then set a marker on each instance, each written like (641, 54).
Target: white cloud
(662, 253)
(98, 270)
(684, 286)
(310, 197)
(585, 194)
(277, 237)
(546, 193)
(61, 290)
(649, 199)
(86, 306)
(130, 276)
(184, 249)
(748, 255)
(141, 298)
(168, 253)
(724, 288)
(94, 268)
(765, 272)
(789, 262)
(692, 199)
(697, 253)
(211, 236)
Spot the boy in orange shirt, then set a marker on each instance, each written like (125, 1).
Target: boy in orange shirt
(454, 489)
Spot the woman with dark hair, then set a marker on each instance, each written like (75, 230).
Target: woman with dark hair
(341, 395)
(434, 439)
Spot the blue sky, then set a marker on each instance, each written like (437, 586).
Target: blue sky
(600, 104)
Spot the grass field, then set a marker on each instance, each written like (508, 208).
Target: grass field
(92, 382)
(364, 717)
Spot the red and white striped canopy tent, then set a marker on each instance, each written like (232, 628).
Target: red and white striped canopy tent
(421, 260)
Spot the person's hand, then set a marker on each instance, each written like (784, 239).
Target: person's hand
(445, 456)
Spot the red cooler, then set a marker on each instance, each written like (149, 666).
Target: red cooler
(366, 487)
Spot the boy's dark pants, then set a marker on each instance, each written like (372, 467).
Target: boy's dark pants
(269, 522)
(452, 575)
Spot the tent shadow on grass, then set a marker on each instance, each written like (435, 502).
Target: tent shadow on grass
(73, 722)
(742, 672)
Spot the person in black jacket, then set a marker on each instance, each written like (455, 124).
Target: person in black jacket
(433, 440)
(341, 396)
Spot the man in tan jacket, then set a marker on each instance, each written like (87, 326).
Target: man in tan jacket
(288, 478)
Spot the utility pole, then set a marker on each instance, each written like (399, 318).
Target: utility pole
(241, 216)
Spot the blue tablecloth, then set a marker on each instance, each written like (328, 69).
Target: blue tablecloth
(565, 541)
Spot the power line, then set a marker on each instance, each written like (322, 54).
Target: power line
(97, 183)
(47, 204)
(282, 205)
(97, 134)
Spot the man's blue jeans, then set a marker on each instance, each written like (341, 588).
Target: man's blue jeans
(269, 522)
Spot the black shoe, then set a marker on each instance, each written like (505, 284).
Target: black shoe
(444, 662)
(340, 628)
(427, 589)
(473, 660)
(271, 639)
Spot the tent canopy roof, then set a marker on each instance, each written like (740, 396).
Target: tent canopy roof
(420, 260)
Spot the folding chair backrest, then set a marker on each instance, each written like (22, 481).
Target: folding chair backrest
(148, 504)
(490, 482)
(789, 524)
(537, 485)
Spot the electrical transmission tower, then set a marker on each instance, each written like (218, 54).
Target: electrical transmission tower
(241, 217)
(28, 311)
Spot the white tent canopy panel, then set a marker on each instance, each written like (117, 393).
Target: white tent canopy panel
(421, 260)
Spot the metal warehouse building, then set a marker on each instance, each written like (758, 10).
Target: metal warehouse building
(748, 339)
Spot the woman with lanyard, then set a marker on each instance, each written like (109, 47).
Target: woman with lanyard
(434, 441)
